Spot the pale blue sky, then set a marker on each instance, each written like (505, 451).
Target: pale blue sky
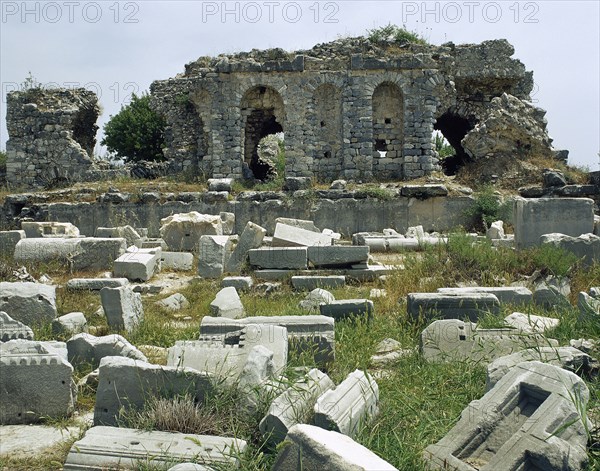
(119, 47)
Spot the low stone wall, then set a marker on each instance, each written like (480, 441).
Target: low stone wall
(346, 212)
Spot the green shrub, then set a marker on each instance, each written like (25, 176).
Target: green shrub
(488, 208)
(394, 33)
(136, 132)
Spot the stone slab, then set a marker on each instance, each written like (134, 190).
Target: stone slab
(290, 236)
(240, 283)
(179, 261)
(49, 229)
(16, 440)
(213, 255)
(30, 303)
(585, 247)
(308, 283)
(530, 322)
(532, 218)
(319, 449)
(122, 307)
(137, 266)
(95, 284)
(123, 448)
(348, 308)
(8, 242)
(285, 258)
(87, 348)
(126, 384)
(455, 340)
(451, 306)
(251, 238)
(337, 256)
(505, 294)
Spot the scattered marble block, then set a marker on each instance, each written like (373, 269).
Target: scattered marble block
(505, 294)
(227, 303)
(240, 283)
(337, 256)
(17, 440)
(314, 299)
(531, 323)
(219, 184)
(528, 420)
(30, 303)
(35, 382)
(455, 340)
(451, 306)
(49, 229)
(139, 265)
(226, 355)
(124, 448)
(309, 283)
(300, 223)
(294, 406)
(181, 232)
(95, 284)
(568, 358)
(122, 307)
(11, 329)
(353, 402)
(348, 308)
(175, 302)
(318, 449)
(287, 258)
(86, 348)
(251, 238)
(214, 255)
(126, 384)
(290, 236)
(307, 335)
(178, 261)
(72, 323)
(126, 232)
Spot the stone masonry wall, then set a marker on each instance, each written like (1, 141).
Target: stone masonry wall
(348, 109)
(52, 134)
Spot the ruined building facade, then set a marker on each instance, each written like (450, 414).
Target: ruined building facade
(348, 109)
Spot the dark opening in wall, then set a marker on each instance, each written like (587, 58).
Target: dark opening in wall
(260, 123)
(454, 128)
(380, 145)
(84, 129)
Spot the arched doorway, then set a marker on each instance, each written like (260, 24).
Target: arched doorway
(263, 114)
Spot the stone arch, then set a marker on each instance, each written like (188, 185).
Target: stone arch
(263, 113)
(388, 130)
(327, 158)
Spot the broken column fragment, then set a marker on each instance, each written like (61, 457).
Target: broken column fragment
(529, 420)
(295, 405)
(351, 404)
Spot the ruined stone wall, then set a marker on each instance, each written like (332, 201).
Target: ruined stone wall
(349, 109)
(51, 136)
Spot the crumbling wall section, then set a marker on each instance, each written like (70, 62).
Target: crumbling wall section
(52, 134)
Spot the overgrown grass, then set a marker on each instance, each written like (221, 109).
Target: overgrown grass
(419, 401)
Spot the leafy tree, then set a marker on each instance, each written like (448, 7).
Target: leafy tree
(442, 147)
(136, 132)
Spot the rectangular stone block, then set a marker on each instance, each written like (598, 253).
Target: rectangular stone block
(586, 246)
(127, 384)
(124, 448)
(451, 306)
(455, 340)
(251, 238)
(348, 308)
(122, 307)
(8, 242)
(338, 256)
(290, 236)
(308, 283)
(214, 255)
(178, 261)
(528, 421)
(138, 266)
(292, 258)
(535, 217)
(301, 223)
(30, 303)
(226, 355)
(95, 284)
(352, 403)
(505, 294)
(49, 229)
(273, 275)
(312, 334)
(35, 382)
(11, 329)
